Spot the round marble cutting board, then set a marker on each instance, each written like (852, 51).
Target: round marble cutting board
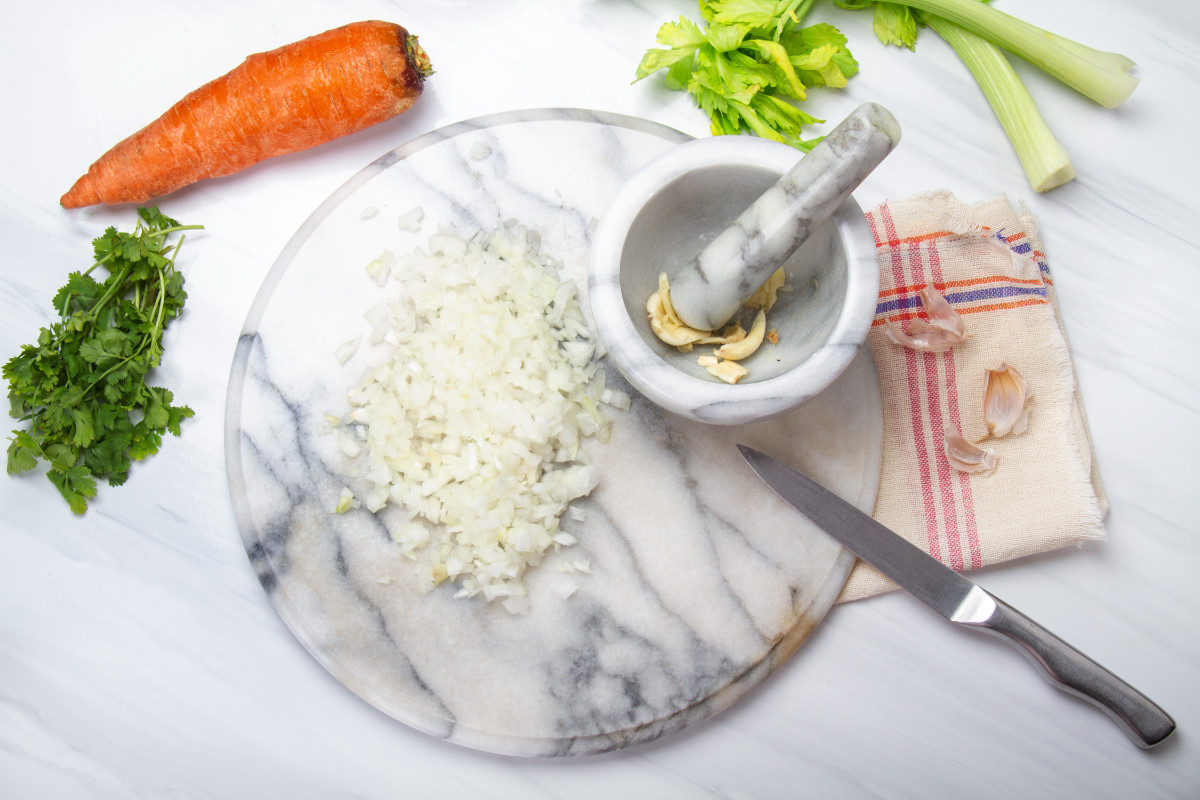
(702, 582)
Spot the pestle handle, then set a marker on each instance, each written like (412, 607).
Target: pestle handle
(710, 289)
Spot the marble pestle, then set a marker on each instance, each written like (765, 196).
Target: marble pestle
(710, 289)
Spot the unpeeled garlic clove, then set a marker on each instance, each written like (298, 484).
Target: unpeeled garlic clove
(967, 457)
(921, 336)
(1004, 398)
(942, 331)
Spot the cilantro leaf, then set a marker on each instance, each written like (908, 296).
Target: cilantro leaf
(23, 453)
(75, 484)
(82, 385)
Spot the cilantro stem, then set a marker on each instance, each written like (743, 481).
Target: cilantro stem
(115, 289)
(82, 386)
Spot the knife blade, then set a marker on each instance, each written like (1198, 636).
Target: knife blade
(962, 601)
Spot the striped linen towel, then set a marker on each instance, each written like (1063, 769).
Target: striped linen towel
(987, 260)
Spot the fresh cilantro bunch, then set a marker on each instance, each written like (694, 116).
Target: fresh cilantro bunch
(82, 385)
(749, 63)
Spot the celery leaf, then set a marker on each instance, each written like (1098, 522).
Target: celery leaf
(748, 63)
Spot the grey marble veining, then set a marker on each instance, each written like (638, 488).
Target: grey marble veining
(142, 659)
(702, 583)
(709, 290)
(667, 209)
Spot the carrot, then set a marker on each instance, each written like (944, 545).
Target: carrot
(283, 101)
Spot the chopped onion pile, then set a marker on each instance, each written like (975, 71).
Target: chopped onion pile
(473, 423)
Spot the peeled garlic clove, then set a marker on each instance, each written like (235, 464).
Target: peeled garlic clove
(1004, 402)
(941, 313)
(666, 328)
(728, 371)
(732, 333)
(735, 351)
(921, 336)
(967, 457)
(655, 307)
(664, 293)
(768, 293)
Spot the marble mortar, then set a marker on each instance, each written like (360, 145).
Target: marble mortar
(672, 209)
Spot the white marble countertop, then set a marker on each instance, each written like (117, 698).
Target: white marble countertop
(140, 657)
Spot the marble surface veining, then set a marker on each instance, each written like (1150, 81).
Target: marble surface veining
(141, 658)
(700, 583)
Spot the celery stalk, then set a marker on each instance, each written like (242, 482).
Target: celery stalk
(1103, 77)
(1045, 160)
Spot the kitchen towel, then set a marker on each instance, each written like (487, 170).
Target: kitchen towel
(1045, 493)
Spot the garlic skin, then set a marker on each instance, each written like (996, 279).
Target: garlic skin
(941, 313)
(943, 331)
(967, 457)
(1004, 398)
(921, 336)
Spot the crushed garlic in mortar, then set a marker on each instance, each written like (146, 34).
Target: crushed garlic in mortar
(734, 343)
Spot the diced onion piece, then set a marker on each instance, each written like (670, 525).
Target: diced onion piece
(345, 501)
(347, 349)
(378, 268)
(349, 445)
(473, 422)
(517, 605)
(411, 220)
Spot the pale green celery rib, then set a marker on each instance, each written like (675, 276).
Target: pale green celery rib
(1103, 77)
(1045, 160)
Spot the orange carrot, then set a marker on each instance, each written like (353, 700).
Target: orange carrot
(283, 101)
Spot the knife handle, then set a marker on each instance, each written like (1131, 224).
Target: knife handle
(1073, 672)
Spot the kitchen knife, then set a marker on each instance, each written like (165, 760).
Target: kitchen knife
(962, 602)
